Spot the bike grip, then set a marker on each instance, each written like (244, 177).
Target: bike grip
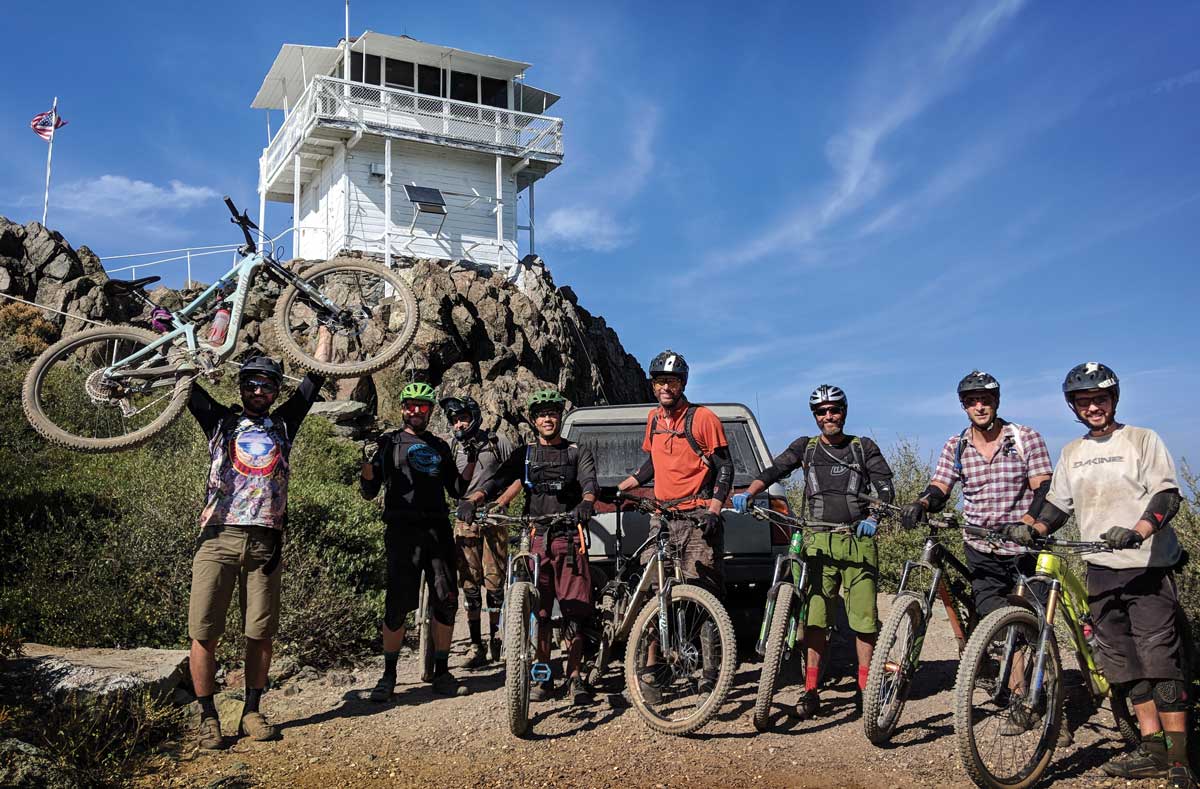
(232, 208)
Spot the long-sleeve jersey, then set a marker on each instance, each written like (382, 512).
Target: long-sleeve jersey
(419, 472)
(834, 475)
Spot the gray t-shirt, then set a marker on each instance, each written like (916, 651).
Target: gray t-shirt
(1108, 482)
(491, 454)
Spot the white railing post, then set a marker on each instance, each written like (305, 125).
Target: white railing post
(189, 269)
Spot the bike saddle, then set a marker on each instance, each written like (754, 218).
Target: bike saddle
(124, 287)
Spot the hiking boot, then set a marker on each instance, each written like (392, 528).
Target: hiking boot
(651, 687)
(208, 734)
(1180, 777)
(858, 702)
(494, 648)
(1018, 720)
(707, 682)
(479, 656)
(541, 691)
(809, 705)
(579, 693)
(446, 684)
(1140, 763)
(256, 727)
(384, 688)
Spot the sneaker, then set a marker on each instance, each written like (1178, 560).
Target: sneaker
(651, 687)
(494, 648)
(1140, 763)
(707, 682)
(209, 734)
(1065, 737)
(1180, 777)
(446, 684)
(579, 693)
(479, 656)
(541, 691)
(256, 727)
(1018, 719)
(809, 705)
(383, 689)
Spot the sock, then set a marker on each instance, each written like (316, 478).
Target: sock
(208, 709)
(1156, 744)
(810, 678)
(862, 676)
(253, 696)
(441, 662)
(473, 626)
(1177, 747)
(389, 662)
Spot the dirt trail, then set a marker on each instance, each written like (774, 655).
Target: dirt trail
(333, 737)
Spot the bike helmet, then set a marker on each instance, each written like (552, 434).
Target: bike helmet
(669, 363)
(418, 390)
(978, 381)
(827, 393)
(1090, 375)
(546, 398)
(261, 365)
(452, 407)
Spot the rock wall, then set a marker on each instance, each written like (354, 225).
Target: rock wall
(480, 334)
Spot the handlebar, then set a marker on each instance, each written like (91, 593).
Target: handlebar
(1045, 544)
(243, 221)
(792, 522)
(655, 507)
(527, 520)
(944, 521)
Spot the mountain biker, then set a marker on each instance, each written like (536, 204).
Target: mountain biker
(1120, 483)
(418, 469)
(838, 467)
(692, 470)
(481, 550)
(558, 477)
(241, 530)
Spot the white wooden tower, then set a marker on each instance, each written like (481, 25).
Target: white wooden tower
(421, 152)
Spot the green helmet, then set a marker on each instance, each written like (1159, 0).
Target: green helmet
(546, 397)
(418, 390)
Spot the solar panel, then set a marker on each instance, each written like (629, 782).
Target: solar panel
(424, 194)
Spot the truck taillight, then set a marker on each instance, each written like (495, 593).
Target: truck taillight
(779, 534)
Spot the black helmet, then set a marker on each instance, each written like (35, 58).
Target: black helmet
(827, 393)
(978, 381)
(1088, 376)
(261, 365)
(669, 363)
(453, 406)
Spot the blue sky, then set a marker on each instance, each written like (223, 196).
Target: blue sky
(878, 195)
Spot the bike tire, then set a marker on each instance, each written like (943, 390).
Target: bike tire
(880, 720)
(1123, 717)
(517, 651)
(35, 411)
(768, 676)
(425, 650)
(705, 711)
(964, 688)
(298, 356)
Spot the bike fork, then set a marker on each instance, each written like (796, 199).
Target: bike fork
(1034, 694)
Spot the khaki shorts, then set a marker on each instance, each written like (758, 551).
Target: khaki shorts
(482, 555)
(843, 561)
(228, 556)
(701, 559)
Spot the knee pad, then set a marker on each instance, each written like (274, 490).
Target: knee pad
(495, 600)
(1171, 695)
(445, 600)
(1140, 691)
(394, 620)
(472, 599)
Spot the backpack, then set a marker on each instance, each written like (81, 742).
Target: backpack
(688, 418)
(1018, 444)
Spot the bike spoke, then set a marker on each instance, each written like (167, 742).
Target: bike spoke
(681, 672)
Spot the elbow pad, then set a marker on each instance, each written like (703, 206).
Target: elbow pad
(645, 473)
(1163, 506)
(1039, 500)
(724, 477)
(935, 498)
(884, 490)
(1052, 516)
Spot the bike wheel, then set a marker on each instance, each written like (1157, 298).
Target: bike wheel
(375, 322)
(68, 399)
(777, 634)
(425, 651)
(1124, 718)
(692, 676)
(518, 655)
(611, 610)
(1003, 743)
(890, 677)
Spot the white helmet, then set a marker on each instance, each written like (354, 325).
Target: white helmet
(827, 393)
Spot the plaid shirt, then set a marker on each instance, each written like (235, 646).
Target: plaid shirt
(996, 492)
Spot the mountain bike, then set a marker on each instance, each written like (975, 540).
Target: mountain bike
(1008, 696)
(787, 606)
(424, 623)
(898, 647)
(519, 613)
(116, 387)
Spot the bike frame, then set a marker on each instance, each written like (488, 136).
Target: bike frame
(798, 572)
(935, 558)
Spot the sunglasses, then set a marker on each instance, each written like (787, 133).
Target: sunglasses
(416, 408)
(665, 381)
(829, 409)
(267, 387)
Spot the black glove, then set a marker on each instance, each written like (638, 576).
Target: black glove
(1020, 533)
(607, 494)
(710, 522)
(1119, 537)
(583, 511)
(911, 514)
(465, 511)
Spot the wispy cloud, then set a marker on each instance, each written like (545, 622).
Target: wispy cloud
(584, 227)
(117, 196)
(1177, 82)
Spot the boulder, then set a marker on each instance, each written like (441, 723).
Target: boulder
(58, 670)
(22, 766)
(339, 410)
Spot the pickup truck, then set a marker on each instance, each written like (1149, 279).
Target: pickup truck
(614, 435)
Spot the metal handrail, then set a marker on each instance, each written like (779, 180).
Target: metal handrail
(189, 253)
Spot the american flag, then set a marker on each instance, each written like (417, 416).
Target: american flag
(44, 124)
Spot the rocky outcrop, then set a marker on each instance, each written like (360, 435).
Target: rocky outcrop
(58, 671)
(481, 334)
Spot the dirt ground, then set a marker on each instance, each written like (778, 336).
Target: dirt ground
(333, 737)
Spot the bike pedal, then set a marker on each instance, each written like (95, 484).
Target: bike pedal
(540, 672)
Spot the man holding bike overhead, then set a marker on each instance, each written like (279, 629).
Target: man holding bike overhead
(418, 469)
(837, 467)
(241, 530)
(558, 477)
(1120, 483)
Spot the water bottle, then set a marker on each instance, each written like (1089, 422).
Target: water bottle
(1089, 633)
(220, 327)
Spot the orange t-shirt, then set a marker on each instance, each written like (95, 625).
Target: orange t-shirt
(678, 470)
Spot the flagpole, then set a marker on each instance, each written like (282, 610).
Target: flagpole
(49, 156)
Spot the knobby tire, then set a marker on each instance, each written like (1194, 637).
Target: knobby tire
(768, 677)
(879, 722)
(425, 650)
(518, 650)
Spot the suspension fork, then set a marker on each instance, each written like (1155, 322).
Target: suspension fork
(664, 596)
(1033, 694)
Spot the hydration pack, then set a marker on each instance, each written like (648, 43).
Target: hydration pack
(1017, 440)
